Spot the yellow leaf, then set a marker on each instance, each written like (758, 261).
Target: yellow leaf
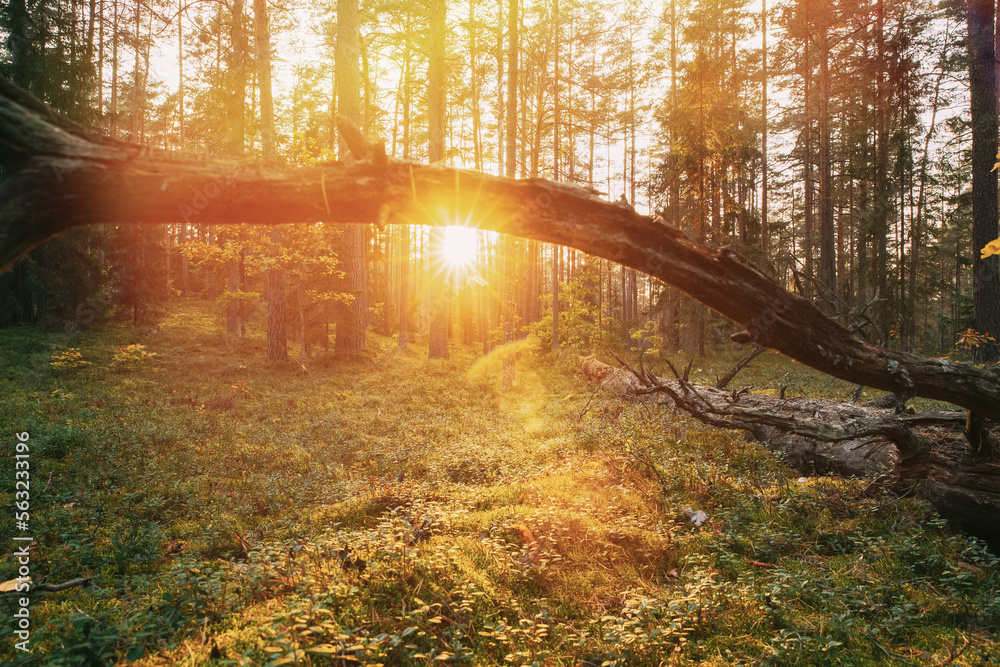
(992, 248)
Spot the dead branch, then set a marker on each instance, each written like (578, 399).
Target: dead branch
(59, 177)
(754, 352)
(55, 588)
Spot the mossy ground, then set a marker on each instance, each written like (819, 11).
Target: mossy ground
(216, 500)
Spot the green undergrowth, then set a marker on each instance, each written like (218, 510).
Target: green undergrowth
(393, 510)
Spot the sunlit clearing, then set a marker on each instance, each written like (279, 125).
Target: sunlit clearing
(459, 245)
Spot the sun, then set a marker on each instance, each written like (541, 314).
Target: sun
(459, 246)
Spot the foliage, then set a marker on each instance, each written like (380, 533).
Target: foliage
(581, 325)
(128, 357)
(991, 248)
(69, 358)
(403, 512)
(970, 339)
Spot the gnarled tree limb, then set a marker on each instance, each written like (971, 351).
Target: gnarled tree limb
(60, 177)
(924, 453)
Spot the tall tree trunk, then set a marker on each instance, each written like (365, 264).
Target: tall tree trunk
(475, 85)
(916, 234)
(985, 286)
(556, 154)
(982, 80)
(351, 318)
(113, 125)
(89, 53)
(404, 287)
(238, 72)
(20, 46)
(763, 141)
(807, 228)
(263, 44)
(556, 256)
(436, 96)
(277, 341)
(237, 117)
(180, 70)
(509, 247)
(878, 227)
(138, 92)
(302, 325)
(827, 244)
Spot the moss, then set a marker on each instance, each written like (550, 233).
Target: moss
(540, 526)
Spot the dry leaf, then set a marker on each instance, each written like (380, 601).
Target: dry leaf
(970, 567)
(11, 585)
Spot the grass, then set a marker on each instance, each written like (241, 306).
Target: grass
(392, 510)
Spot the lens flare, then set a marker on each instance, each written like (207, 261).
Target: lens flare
(459, 247)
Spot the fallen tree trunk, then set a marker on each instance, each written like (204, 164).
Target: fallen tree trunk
(924, 453)
(59, 177)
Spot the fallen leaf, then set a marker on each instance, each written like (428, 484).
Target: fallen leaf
(970, 567)
(757, 563)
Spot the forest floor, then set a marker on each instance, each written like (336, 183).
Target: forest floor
(398, 511)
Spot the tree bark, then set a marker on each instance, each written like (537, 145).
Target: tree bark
(985, 285)
(351, 317)
(438, 336)
(982, 88)
(277, 341)
(69, 178)
(263, 44)
(763, 132)
(19, 44)
(509, 248)
(827, 245)
(238, 71)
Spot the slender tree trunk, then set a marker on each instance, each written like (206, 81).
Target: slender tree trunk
(827, 245)
(113, 126)
(556, 256)
(916, 234)
(137, 92)
(878, 228)
(239, 76)
(92, 18)
(234, 315)
(436, 94)
(509, 254)
(763, 140)
(475, 84)
(807, 228)
(180, 70)
(302, 327)
(20, 46)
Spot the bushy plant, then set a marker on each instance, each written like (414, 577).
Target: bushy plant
(68, 359)
(129, 357)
